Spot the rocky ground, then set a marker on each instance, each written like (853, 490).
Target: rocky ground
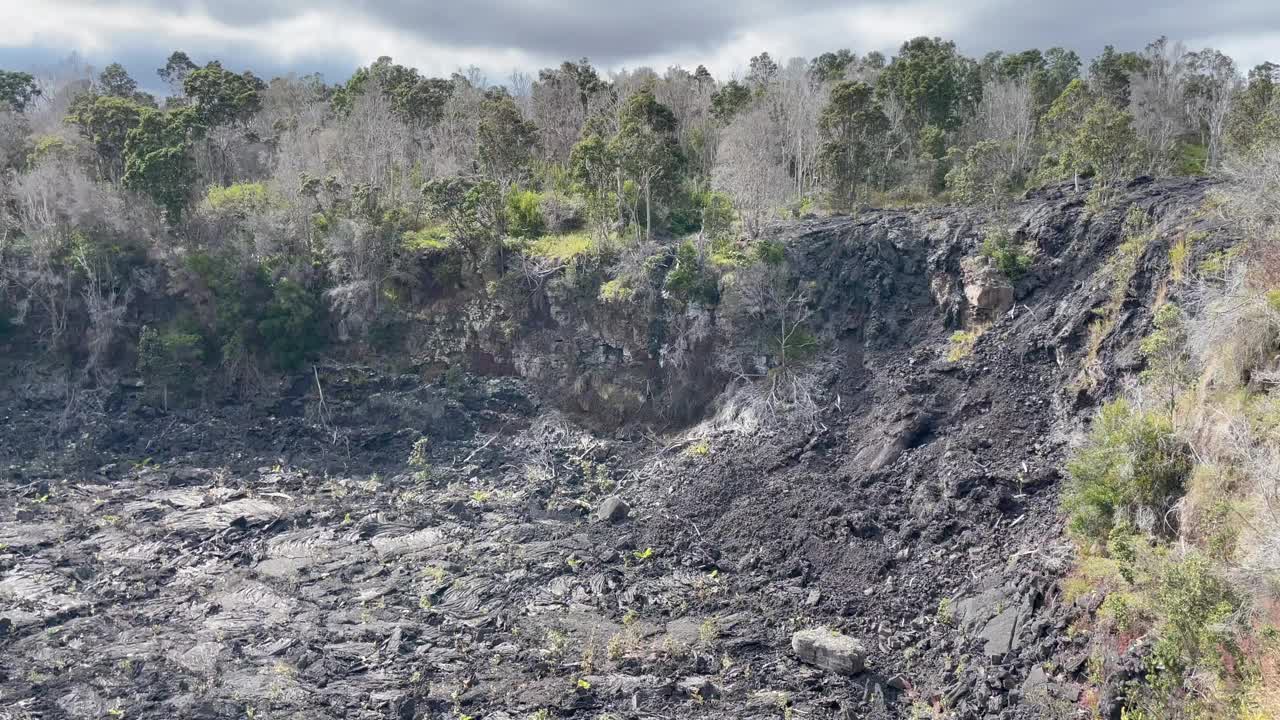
(364, 545)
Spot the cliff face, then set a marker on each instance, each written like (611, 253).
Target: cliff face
(896, 482)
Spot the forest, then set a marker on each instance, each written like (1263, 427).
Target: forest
(240, 225)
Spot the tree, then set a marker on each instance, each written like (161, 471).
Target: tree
(593, 167)
(506, 140)
(1109, 74)
(158, 158)
(18, 89)
(115, 81)
(1105, 142)
(472, 210)
(1058, 132)
(752, 166)
(830, 67)
(1210, 88)
(1007, 116)
(1157, 104)
(850, 125)
(175, 71)
(105, 121)
(221, 97)
(1254, 118)
(934, 84)
(414, 99)
(729, 100)
(646, 148)
(761, 71)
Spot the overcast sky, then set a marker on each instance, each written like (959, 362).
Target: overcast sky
(334, 36)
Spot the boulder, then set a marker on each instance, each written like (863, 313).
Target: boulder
(988, 291)
(829, 650)
(999, 633)
(612, 509)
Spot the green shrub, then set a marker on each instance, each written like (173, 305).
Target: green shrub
(1131, 468)
(427, 239)
(690, 280)
(524, 214)
(1012, 258)
(1195, 631)
(291, 327)
(169, 360)
(241, 199)
(771, 252)
(616, 291)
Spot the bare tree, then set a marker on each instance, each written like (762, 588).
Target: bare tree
(752, 167)
(797, 100)
(1157, 103)
(1007, 115)
(1209, 88)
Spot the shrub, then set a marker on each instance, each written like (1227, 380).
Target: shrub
(428, 239)
(524, 214)
(690, 280)
(169, 360)
(617, 291)
(1132, 468)
(771, 252)
(1011, 257)
(1196, 605)
(292, 323)
(240, 199)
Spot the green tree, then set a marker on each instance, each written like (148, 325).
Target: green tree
(18, 89)
(1254, 119)
(506, 140)
(978, 175)
(934, 84)
(413, 98)
(116, 82)
(1058, 132)
(850, 125)
(105, 121)
(473, 212)
(1107, 144)
(158, 158)
(221, 97)
(593, 167)
(1109, 74)
(176, 69)
(729, 100)
(646, 148)
(831, 66)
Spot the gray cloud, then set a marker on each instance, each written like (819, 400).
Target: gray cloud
(334, 36)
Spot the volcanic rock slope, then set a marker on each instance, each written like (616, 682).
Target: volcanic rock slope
(282, 558)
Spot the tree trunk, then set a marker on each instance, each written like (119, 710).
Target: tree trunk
(648, 214)
(621, 206)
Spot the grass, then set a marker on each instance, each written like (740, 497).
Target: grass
(962, 344)
(563, 247)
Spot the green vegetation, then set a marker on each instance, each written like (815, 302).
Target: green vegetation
(1130, 472)
(1011, 257)
(1169, 495)
(962, 344)
(563, 248)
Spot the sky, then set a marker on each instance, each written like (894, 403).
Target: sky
(332, 37)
